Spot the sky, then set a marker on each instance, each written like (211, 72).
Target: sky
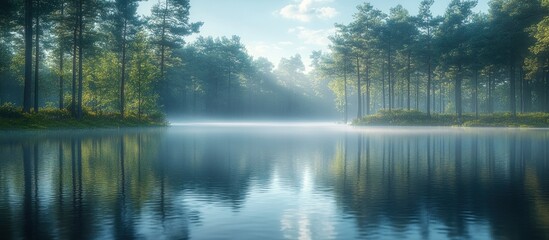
(278, 29)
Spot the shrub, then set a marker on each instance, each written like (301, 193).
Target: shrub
(9, 110)
(396, 117)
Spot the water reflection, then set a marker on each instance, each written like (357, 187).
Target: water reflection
(275, 182)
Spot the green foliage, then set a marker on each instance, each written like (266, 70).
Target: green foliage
(539, 59)
(398, 117)
(142, 97)
(507, 120)
(415, 118)
(101, 88)
(12, 118)
(461, 60)
(9, 110)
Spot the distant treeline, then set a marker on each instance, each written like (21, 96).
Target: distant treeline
(459, 62)
(99, 56)
(217, 77)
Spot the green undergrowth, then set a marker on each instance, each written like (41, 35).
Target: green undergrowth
(416, 118)
(12, 118)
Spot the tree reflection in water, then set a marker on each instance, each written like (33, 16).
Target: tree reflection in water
(275, 183)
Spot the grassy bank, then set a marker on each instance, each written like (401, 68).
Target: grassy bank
(14, 119)
(416, 118)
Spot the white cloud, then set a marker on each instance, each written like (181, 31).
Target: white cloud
(327, 12)
(306, 10)
(318, 37)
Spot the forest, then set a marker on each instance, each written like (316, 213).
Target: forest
(461, 62)
(99, 57)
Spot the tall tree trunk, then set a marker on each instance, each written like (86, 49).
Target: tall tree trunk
(490, 93)
(526, 92)
(429, 84)
(359, 89)
(123, 77)
(61, 72)
(80, 53)
(512, 88)
(383, 84)
(28, 57)
(521, 83)
(389, 80)
(139, 88)
(417, 92)
(401, 96)
(476, 93)
(229, 93)
(74, 69)
(162, 42)
(367, 102)
(440, 95)
(364, 104)
(434, 94)
(345, 89)
(527, 95)
(194, 97)
(429, 71)
(408, 79)
(459, 109)
(37, 57)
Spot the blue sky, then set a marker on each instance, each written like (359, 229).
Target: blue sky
(282, 28)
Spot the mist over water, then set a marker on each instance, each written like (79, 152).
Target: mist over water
(255, 124)
(275, 180)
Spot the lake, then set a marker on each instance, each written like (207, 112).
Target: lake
(275, 181)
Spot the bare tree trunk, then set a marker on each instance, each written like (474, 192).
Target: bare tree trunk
(37, 57)
(408, 79)
(429, 71)
(367, 102)
(229, 102)
(61, 72)
(162, 40)
(440, 95)
(345, 88)
(434, 94)
(429, 85)
(391, 92)
(28, 57)
(123, 77)
(417, 92)
(527, 94)
(476, 93)
(490, 93)
(459, 109)
(80, 53)
(512, 92)
(359, 89)
(383, 84)
(194, 98)
(75, 44)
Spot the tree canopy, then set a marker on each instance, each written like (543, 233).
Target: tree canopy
(100, 57)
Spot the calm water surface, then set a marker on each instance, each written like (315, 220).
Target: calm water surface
(275, 181)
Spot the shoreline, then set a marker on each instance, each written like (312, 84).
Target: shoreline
(414, 118)
(60, 120)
